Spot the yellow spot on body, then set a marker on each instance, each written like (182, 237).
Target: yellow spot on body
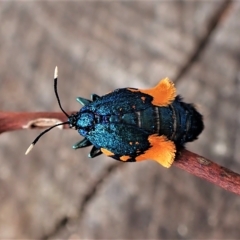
(125, 158)
(107, 152)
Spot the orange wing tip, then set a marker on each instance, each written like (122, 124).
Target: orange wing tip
(166, 160)
(162, 150)
(163, 93)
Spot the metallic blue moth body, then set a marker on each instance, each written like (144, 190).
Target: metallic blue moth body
(120, 123)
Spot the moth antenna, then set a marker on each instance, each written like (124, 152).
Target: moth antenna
(56, 72)
(29, 149)
(59, 103)
(41, 134)
(56, 92)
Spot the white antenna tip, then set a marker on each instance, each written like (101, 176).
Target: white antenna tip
(29, 149)
(56, 72)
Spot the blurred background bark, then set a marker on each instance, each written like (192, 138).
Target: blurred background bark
(56, 192)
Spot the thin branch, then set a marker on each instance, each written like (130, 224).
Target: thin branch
(10, 121)
(186, 160)
(208, 170)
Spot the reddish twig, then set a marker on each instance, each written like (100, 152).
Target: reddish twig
(186, 160)
(208, 170)
(10, 121)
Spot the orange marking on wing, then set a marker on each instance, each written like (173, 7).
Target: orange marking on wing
(125, 158)
(162, 150)
(163, 94)
(107, 152)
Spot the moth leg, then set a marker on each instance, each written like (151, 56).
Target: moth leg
(95, 152)
(83, 143)
(83, 101)
(94, 97)
(161, 150)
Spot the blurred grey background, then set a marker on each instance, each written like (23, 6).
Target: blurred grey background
(56, 192)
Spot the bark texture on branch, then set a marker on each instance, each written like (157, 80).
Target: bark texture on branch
(208, 170)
